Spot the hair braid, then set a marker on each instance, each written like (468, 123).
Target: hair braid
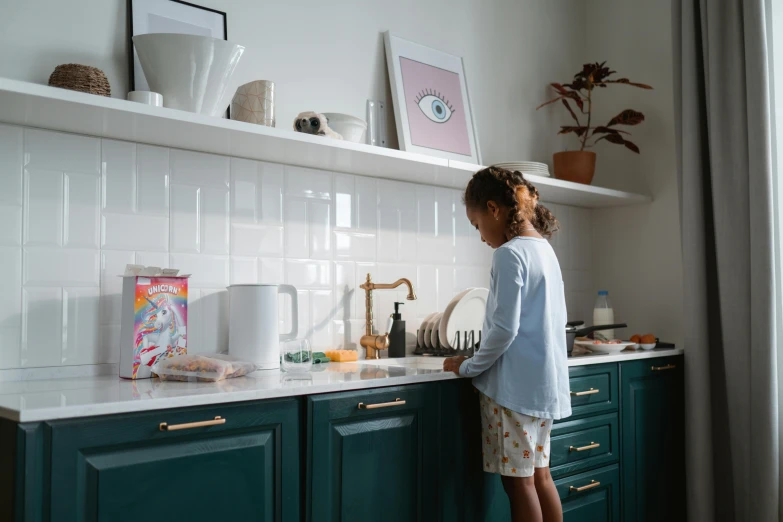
(510, 189)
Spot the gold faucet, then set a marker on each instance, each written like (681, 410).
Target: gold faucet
(375, 343)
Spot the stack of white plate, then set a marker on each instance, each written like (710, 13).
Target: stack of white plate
(526, 167)
(465, 312)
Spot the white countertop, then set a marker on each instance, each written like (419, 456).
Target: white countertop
(51, 399)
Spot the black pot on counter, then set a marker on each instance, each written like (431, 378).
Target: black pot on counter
(573, 331)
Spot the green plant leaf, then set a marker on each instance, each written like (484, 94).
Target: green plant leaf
(612, 138)
(627, 117)
(573, 115)
(619, 140)
(631, 146)
(607, 130)
(570, 129)
(626, 81)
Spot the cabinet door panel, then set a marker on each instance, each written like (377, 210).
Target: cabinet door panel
(598, 500)
(372, 464)
(653, 440)
(123, 467)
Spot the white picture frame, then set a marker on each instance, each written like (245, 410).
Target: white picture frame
(427, 120)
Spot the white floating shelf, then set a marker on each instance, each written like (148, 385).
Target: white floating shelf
(41, 106)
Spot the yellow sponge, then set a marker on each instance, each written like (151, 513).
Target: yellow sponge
(342, 355)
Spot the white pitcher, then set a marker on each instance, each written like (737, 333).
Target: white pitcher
(253, 323)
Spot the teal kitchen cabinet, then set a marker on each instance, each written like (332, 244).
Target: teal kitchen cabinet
(593, 496)
(227, 462)
(653, 440)
(372, 455)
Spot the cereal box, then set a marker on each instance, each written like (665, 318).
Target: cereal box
(154, 318)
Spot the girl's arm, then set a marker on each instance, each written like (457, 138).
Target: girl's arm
(507, 285)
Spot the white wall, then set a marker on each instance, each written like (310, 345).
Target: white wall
(329, 56)
(638, 253)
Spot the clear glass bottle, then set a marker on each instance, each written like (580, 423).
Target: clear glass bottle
(603, 314)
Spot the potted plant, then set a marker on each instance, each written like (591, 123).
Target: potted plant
(579, 165)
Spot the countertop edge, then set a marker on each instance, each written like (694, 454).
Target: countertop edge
(44, 414)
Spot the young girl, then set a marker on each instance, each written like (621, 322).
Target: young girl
(521, 367)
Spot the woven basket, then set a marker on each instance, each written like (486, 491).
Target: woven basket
(81, 78)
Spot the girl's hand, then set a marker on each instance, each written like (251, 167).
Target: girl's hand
(452, 364)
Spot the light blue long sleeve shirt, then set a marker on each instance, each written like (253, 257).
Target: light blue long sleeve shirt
(522, 362)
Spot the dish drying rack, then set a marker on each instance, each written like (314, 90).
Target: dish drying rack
(468, 342)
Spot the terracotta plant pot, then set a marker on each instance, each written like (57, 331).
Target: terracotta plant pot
(575, 165)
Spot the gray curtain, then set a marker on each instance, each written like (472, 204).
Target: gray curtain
(722, 111)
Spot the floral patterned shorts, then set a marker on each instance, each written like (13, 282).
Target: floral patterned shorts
(514, 444)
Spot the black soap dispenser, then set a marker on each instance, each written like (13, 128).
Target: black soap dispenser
(397, 334)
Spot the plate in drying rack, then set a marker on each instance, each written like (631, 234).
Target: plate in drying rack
(467, 314)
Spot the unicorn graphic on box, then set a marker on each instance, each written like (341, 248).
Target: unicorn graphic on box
(159, 335)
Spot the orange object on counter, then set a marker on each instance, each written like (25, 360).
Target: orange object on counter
(342, 355)
(648, 339)
(636, 338)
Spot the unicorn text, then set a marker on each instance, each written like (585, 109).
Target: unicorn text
(168, 289)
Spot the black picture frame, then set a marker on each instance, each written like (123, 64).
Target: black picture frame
(131, 55)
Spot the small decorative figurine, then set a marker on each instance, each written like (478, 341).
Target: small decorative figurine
(314, 123)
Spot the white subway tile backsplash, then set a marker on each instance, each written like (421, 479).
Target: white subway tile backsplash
(319, 230)
(113, 264)
(118, 159)
(135, 232)
(42, 327)
(10, 306)
(185, 218)
(82, 211)
(308, 274)
(271, 271)
(307, 183)
(208, 321)
(152, 180)
(61, 267)
(215, 222)
(296, 237)
(11, 154)
(44, 199)
(207, 271)
(244, 270)
(78, 209)
(200, 169)
(81, 332)
(47, 150)
(11, 230)
(153, 259)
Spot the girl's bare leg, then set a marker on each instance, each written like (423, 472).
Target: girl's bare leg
(523, 496)
(548, 498)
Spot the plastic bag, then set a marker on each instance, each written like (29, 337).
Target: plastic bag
(211, 368)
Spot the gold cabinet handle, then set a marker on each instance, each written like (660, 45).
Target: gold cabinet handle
(591, 391)
(189, 425)
(661, 368)
(590, 446)
(591, 485)
(396, 402)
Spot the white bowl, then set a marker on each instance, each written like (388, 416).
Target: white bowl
(191, 72)
(647, 346)
(350, 127)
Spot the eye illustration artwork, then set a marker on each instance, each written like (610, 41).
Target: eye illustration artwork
(434, 106)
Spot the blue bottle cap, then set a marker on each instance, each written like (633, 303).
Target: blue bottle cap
(603, 292)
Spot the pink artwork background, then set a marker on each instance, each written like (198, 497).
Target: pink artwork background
(451, 136)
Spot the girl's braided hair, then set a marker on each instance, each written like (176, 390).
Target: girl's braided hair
(512, 190)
